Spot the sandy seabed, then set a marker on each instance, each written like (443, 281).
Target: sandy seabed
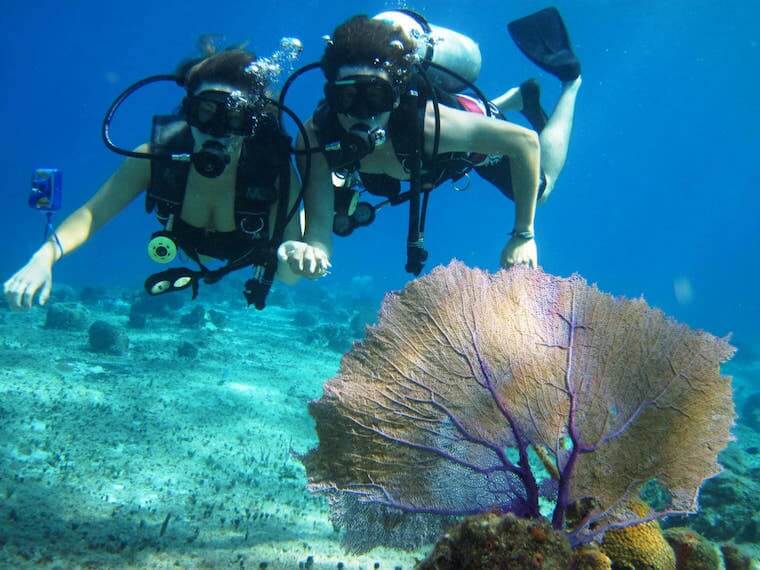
(150, 460)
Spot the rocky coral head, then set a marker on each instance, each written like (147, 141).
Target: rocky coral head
(440, 411)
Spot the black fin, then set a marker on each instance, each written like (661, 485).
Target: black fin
(543, 38)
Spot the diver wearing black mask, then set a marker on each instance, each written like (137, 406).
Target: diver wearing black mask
(223, 121)
(363, 98)
(219, 117)
(245, 218)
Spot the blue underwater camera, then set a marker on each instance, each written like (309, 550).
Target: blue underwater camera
(47, 189)
(45, 196)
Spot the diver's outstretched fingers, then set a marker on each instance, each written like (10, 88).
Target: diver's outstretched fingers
(45, 292)
(28, 294)
(294, 262)
(324, 262)
(311, 260)
(282, 252)
(13, 292)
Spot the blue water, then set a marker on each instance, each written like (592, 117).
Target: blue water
(660, 184)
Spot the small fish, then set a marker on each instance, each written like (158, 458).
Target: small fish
(752, 450)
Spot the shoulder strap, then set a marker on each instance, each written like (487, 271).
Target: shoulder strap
(408, 121)
(168, 178)
(407, 132)
(328, 132)
(263, 178)
(263, 158)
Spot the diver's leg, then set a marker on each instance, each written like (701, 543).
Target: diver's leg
(527, 100)
(555, 137)
(509, 101)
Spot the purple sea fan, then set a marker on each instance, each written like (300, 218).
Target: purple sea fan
(469, 377)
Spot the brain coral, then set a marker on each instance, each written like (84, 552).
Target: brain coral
(588, 557)
(693, 551)
(639, 547)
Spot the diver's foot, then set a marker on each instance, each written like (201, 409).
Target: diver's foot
(573, 84)
(530, 92)
(568, 67)
(545, 194)
(550, 183)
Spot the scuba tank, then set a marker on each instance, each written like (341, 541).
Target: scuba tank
(442, 46)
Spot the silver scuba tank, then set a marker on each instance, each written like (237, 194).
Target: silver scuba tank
(450, 49)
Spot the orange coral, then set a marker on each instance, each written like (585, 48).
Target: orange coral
(641, 546)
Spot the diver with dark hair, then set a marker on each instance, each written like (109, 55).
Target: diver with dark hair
(394, 111)
(219, 178)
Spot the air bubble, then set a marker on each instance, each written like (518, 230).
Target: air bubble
(267, 70)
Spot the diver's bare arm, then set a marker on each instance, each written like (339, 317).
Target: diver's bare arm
(113, 196)
(319, 198)
(466, 132)
(293, 229)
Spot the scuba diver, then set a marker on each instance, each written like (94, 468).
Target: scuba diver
(219, 178)
(393, 111)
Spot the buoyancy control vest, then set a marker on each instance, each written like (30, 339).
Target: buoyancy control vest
(406, 129)
(262, 180)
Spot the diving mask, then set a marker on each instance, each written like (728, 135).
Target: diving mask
(361, 96)
(221, 114)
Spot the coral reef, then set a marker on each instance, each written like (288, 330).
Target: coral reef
(137, 320)
(733, 559)
(161, 306)
(336, 337)
(218, 318)
(63, 293)
(104, 337)
(729, 505)
(94, 295)
(187, 350)
(589, 557)
(492, 541)
(750, 412)
(438, 411)
(641, 546)
(67, 316)
(693, 551)
(195, 319)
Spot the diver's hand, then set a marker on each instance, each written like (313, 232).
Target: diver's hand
(304, 259)
(35, 276)
(519, 251)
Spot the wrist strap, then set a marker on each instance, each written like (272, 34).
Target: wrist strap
(56, 245)
(522, 235)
